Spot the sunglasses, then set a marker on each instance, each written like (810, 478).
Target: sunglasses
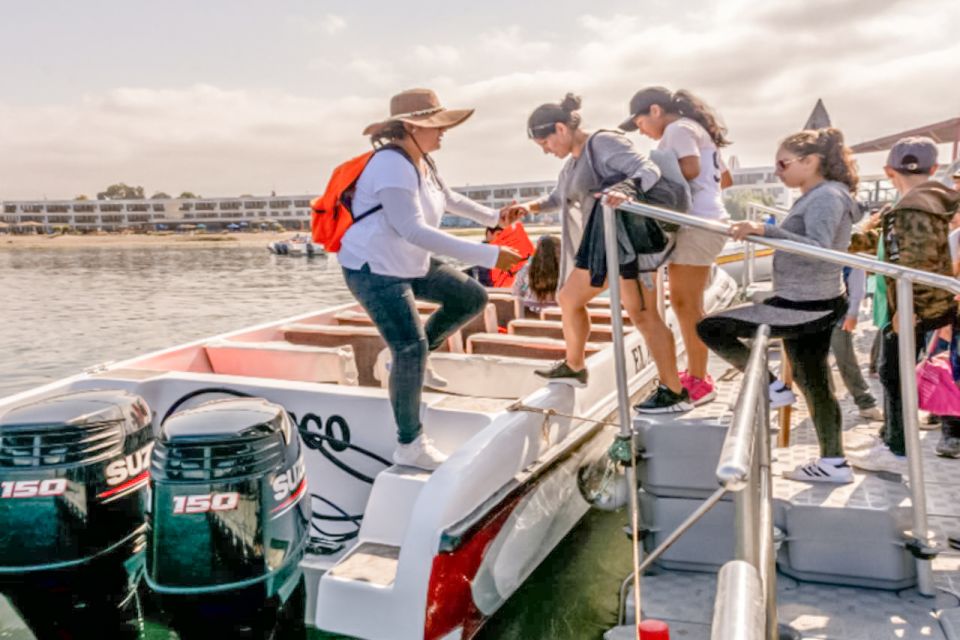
(541, 131)
(783, 164)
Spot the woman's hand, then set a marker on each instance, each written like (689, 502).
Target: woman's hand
(849, 323)
(507, 259)
(612, 198)
(512, 212)
(740, 230)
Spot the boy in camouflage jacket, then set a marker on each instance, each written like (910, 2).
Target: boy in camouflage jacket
(912, 233)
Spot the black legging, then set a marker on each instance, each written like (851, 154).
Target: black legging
(805, 328)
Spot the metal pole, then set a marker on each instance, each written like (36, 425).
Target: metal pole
(737, 609)
(623, 393)
(750, 252)
(911, 431)
(768, 557)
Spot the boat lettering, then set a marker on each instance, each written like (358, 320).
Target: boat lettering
(205, 502)
(288, 481)
(336, 429)
(33, 488)
(637, 358)
(129, 466)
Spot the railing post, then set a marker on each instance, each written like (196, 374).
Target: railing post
(750, 252)
(623, 393)
(911, 430)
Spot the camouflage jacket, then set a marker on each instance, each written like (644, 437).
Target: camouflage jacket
(914, 232)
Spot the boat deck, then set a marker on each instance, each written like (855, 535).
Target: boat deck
(685, 598)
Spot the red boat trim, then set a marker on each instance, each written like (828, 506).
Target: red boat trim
(133, 483)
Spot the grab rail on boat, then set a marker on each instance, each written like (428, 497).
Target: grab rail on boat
(921, 545)
(743, 469)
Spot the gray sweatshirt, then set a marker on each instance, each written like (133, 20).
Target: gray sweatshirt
(612, 155)
(822, 217)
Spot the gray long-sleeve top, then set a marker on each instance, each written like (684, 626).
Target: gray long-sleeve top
(613, 156)
(822, 217)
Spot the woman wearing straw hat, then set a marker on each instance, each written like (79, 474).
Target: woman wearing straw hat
(387, 257)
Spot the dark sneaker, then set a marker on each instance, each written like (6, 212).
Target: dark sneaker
(948, 447)
(562, 373)
(662, 400)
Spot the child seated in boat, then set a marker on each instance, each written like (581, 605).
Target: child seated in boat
(536, 283)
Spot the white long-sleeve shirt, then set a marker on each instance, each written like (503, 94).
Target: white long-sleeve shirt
(399, 239)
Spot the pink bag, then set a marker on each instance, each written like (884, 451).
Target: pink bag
(936, 390)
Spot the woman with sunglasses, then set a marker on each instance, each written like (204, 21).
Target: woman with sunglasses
(602, 161)
(808, 294)
(686, 126)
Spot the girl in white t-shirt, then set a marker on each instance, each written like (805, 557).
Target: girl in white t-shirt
(686, 126)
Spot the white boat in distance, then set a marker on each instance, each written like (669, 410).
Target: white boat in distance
(298, 245)
(393, 553)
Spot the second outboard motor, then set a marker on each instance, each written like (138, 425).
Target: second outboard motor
(229, 520)
(73, 500)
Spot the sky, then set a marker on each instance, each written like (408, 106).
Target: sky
(228, 97)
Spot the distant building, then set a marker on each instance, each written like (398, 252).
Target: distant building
(292, 212)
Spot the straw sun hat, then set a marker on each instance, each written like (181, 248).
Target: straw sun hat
(420, 107)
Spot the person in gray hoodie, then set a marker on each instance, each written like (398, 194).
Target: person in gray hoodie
(808, 294)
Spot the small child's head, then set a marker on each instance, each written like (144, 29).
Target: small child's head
(911, 161)
(544, 274)
(491, 233)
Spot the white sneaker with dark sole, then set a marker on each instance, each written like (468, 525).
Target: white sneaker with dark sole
(818, 470)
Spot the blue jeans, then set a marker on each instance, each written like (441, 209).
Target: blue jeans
(390, 303)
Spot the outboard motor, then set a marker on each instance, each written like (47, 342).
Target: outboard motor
(73, 500)
(229, 520)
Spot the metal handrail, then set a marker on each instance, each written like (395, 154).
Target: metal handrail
(738, 607)
(905, 328)
(856, 261)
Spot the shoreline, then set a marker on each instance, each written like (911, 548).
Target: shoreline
(12, 242)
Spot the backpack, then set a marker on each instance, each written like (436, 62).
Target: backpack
(332, 213)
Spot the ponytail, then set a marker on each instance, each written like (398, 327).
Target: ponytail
(684, 104)
(836, 159)
(689, 106)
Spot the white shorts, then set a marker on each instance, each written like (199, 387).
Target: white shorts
(697, 247)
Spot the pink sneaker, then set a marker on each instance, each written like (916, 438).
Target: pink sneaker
(701, 390)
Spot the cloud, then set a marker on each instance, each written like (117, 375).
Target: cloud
(329, 24)
(762, 68)
(436, 55)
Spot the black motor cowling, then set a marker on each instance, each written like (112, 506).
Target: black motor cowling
(229, 519)
(73, 500)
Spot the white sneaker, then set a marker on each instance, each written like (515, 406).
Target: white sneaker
(871, 413)
(880, 458)
(781, 395)
(818, 470)
(420, 454)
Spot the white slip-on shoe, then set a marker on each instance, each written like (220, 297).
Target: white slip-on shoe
(818, 470)
(781, 395)
(874, 413)
(880, 458)
(420, 454)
